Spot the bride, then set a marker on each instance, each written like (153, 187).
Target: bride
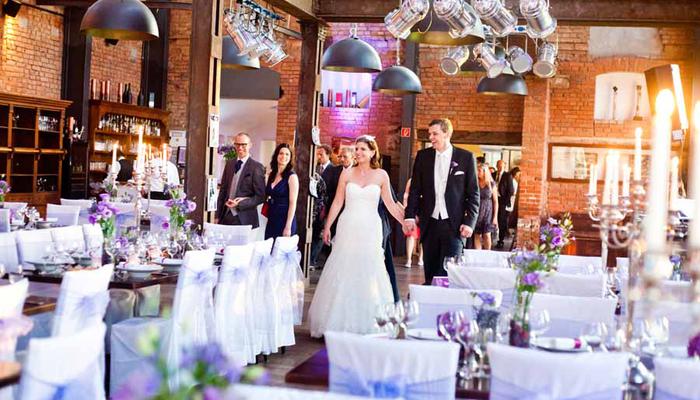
(354, 281)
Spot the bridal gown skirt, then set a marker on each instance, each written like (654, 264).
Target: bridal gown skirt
(354, 281)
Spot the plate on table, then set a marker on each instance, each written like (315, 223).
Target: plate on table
(140, 270)
(48, 265)
(561, 344)
(169, 264)
(423, 334)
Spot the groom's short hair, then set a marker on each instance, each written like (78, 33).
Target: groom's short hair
(444, 123)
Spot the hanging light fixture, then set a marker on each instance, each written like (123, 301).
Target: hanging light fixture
(351, 55)
(504, 84)
(546, 64)
(230, 58)
(496, 15)
(457, 16)
(520, 61)
(454, 59)
(540, 22)
(397, 80)
(436, 30)
(493, 65)
(119, 19)
(400, 21)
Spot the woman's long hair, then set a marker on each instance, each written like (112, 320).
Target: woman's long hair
(376, 161)
(274, 166)
(488, 179)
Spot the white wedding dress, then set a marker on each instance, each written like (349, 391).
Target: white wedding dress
(354, 281)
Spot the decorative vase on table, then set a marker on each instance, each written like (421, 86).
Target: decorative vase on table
(104, 214)
(485, 312)
(4, 189)
(530, 266)
(554, 236)
(519, 335)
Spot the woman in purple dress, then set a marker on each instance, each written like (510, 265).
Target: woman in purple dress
(487, 220)
(281, 193)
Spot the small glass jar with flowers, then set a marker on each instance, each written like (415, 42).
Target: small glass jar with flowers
(531, 267)
(4, 190)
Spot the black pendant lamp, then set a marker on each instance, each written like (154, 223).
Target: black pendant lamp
(351, 55)
(503, 84)
(120, 19)
(231, 60)
(433, 30)
(397, 80)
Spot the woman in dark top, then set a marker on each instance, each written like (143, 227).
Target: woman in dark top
(487, 220)
(281, 193)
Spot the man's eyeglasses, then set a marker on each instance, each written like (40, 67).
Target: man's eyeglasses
(241, 144)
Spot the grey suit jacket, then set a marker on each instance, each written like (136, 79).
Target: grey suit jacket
(251, 184)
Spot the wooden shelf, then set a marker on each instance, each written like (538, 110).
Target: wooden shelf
(25, 150)
(47, 131)
(14, 128)
(110, 133)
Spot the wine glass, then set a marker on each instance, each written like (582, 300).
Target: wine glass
(503, 327)
(381, 317)
(466, 335)
(16, 275)
(594, 334)
(448, 323)
(539, 323)
(411, 311)
(656, 331)
(451, 262)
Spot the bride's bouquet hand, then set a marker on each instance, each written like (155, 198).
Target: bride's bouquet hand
(327, 236)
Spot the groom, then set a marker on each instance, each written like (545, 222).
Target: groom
(445, 195)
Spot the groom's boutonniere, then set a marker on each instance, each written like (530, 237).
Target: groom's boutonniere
(453, 166)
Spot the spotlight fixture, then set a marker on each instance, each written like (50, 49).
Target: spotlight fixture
(520, 61)
(493, 64)
(252, 29)
(397, 80)
(400, 21)
(11, 8)
(351, 55)
(546, 64)
(460, 19)
(454, 59)
(119, 19)
(496, 15)
(540, 22)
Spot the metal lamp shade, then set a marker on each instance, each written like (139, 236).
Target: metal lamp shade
(503, 84)
(351, 55)
(473, 67)
(231, 60)
(433, 30)
(120, 19)
(397, 81)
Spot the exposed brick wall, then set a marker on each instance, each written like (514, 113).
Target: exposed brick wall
(31, 53)
(383, 118)
(179, 67)
(120, 63)
(289, 70)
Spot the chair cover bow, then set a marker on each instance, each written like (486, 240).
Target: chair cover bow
(86, 305)
(345, 380)
(291, 256)
(201, 278)
(235, 274)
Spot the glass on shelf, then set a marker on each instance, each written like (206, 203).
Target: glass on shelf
(125, 124)
(49, 121)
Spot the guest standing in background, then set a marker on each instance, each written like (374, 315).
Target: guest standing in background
(506, 197)
(172, 176)
(347, 157)
(242, 187)
(281, 192)
(413, 238)
(124, 167)
(498, 173)
(487, 220)
(330, 175)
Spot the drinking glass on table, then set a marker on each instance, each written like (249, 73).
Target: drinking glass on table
(656, 331)
(381, 317)
(411, 311)
(16, 275)
(594, 335)
(503, 327)
(539, 323)
(467, 335)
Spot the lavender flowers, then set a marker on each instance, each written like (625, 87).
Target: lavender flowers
(179, 208)
(4, 189)
(103, 212)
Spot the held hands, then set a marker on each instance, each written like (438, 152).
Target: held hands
(466, 231)
(409, 226)
(327, 236)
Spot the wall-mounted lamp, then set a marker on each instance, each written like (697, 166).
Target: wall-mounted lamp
(11, 8)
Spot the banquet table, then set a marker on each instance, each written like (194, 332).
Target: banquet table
(9, 373)
(128, 282)
(38, 304)
(314, 371)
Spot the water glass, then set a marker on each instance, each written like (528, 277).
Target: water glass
(411, 311)
(656, 331)
(594, 335)
(451, 262)
(16, 275)
(503, 327)
(2, 270)
(539, 323)
(381, 317)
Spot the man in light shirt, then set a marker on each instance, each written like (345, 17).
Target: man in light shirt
(172, 175)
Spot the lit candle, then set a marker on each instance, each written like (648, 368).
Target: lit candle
(694, 234)
(139, 151)
(638, 154)
(615, 194)
(165, 155)
(673, 199)
(115, 146)
(607, 190)
(592, 180)
(626, 180)
(656, 219)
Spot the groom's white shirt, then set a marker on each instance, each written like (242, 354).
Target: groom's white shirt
(441, 171)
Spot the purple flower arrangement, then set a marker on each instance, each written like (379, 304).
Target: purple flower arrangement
(554, 236)
(179, 207)
(103, 213)
(228, 151)
(4, 189)
(694, 346)
(486, 313)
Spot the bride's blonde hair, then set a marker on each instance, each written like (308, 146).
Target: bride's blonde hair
(376, 161)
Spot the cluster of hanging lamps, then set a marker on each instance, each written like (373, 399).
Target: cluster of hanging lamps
(119, 20)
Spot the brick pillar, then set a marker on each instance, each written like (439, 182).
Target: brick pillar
(533, 177)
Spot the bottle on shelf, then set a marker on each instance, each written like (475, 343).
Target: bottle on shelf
(120, 92)
(141, 99)
(125, 93)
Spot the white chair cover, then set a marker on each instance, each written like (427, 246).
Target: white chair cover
(435, 300)
(14, 205)
(289, 287)
(159, 215)
(372, 367)
(233, 310)
(13, 296)
(8, 252)
(485, 258)
(93, 236)
(570, 315)
(676, 379)
(263, 297)
(33, 245)
(66, 367)
(65, 215)
(69, 236)
(83, 300)
(233, 235)
(679, 315)
(154, 202)
(574, 285)
(518, 373)
(579, 265)
(480, 278)
(5, 220)
(126, 214)
(84, 205)
(282, 393)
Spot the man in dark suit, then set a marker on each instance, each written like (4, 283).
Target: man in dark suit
(506, 190)
(500, 170)
(386, 244)
(330, 174)
(444, 183)
(242, 187)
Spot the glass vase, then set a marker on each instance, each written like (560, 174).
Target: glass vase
(519, 335)
(552, 261)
